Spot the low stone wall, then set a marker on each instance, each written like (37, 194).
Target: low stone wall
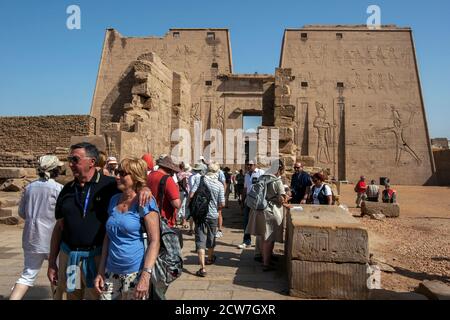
(23, 139)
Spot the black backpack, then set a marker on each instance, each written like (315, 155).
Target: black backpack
(199, 205)
(161, 191)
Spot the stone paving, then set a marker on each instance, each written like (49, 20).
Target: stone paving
(235, 275)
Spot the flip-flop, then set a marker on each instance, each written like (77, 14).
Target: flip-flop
(211, 261)
(201, 273)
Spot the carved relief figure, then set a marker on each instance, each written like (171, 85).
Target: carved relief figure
(400, 141)
(195, 115)
(220, 118)
(324, 133)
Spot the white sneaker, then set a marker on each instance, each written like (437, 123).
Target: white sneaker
(243, 246)
(219, 234)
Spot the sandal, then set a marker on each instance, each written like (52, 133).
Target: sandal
(211, 261)
(269, 268)
(201, 273)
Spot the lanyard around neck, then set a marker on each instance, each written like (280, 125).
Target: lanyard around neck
(86, 200)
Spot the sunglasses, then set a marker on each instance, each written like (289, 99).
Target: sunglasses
(75, 159)
(120, 173)
(297, 167)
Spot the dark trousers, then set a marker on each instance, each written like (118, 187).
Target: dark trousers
(247, 236)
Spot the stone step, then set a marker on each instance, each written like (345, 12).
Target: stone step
(9, 202)
(16, 173)
(9, 212)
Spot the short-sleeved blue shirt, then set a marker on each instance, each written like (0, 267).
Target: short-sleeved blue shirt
(126, 244)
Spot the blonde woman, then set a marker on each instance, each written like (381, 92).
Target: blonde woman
(126, 266)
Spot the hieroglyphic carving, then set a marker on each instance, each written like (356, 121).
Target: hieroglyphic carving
(363, 56)
(398, 129)
(392, 56)
(324, 134)
(393, 85)
(380, 56)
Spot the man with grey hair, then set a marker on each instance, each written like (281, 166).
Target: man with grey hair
(205, 231)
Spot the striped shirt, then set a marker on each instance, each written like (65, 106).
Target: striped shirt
(217, 195)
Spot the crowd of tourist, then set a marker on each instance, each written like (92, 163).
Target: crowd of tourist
(102, 232)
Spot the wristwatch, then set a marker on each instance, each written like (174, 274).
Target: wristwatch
(148, 270)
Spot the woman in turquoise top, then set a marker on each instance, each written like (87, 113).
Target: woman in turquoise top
(125, 267)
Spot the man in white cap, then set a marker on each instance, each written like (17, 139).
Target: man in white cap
(37, 207)
(112, 165)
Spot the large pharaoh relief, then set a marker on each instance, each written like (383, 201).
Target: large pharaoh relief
(324, 129)
(398, 132)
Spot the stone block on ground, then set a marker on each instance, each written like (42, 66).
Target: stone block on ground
(14, 185)
(390, 210)
(11, 221)
(9, 201)
(16, 173)
(325, 234)
(326, 280)
(9, 212)
(434, 290)
(378, 216)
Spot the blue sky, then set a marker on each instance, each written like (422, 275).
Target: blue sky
(48, 69)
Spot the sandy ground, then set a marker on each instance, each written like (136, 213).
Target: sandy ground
(417, 244)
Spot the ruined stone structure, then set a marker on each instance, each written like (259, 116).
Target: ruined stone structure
(348, 96)
(344, 98)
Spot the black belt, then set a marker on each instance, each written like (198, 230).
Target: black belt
(82, 248)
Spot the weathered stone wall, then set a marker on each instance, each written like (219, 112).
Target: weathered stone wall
(358, 102)
(18, 160)
(23, 138)
(197, 54)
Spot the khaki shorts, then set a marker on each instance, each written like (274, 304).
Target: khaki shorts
(80, 294)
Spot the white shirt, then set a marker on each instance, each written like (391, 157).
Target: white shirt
(37, 207)
(327, 191)
(250, 179)
(193, 179)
